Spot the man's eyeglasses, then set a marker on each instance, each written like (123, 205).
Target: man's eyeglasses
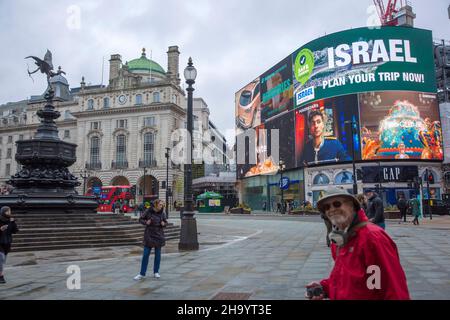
(336, 204)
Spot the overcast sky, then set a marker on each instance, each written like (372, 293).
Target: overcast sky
(231, 41)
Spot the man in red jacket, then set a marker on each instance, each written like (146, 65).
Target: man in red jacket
(367, 265)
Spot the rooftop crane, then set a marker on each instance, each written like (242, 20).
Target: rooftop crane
(388, 15)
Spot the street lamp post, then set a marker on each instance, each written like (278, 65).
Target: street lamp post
(167, 182)
(188, 236)
(84, 174)
(282, 166)
(353, 128)
(143, 191)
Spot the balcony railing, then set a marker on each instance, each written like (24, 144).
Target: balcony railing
(93, 165)
(147, 163)
(119, 164)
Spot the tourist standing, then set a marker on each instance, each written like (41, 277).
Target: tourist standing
(8, 227)
(375, 209)
(154, 220)
(402, 205)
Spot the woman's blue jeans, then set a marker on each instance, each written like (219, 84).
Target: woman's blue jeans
(145, 258)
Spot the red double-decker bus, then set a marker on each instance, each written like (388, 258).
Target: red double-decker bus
(116, 195)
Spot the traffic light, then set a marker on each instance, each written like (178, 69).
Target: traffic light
(133, 190)
(430, 178)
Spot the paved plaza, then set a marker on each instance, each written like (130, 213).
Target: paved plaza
(255, 257)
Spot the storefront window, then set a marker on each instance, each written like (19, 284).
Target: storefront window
(344, 177)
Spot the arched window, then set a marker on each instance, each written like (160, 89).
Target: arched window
(344, 177)
(121, 149)
(106, 102)
(95, 151)
(156, 97)
(67, 115)
(149, 148)
(321, 179)
(139, 99)
(90, 104)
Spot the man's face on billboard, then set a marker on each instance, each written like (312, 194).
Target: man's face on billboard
(316, 126)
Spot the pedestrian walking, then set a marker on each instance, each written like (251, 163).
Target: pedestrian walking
(8, 227)
(375, 208)
(402, 205)
(414, 207)
(278, 207)
(363, 201)
(155, 221)
(264, 206)
(357, 246)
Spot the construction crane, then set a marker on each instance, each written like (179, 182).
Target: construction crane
(388, 15)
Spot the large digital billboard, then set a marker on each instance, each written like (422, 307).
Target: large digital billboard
(400, 125)
(248, 103)
(276, 90)
(323, 131)
(363, 59)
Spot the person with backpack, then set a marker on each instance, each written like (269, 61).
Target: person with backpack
(8, 227)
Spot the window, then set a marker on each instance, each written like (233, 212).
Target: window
(106, 102)
(20, 137)
(9, 153)
(66, 133)
(175, 98)
(8, 169)
(0, 153)
(10, 138)
(149, 147)
(139, 99)
(90, 104)
(121, 149)
(1, 140)
(67, 114)
(321, 179)
(156, 97)
(149, 121)
(95, 125)
(121, 123)
(344, 177)
(95, 150)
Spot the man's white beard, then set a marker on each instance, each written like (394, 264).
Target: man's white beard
(340, 221)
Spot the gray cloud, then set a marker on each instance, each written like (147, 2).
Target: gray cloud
(231, 42)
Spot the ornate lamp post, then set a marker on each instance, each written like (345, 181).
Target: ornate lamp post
(167, 182)
(143, 192)
(188, 237)
(84, 174)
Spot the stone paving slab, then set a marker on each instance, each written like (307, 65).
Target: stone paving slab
(267, 258)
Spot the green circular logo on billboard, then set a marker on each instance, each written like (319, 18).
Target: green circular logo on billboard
(304, 65)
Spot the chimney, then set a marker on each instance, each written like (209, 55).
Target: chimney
(114, 66)
(173, 60)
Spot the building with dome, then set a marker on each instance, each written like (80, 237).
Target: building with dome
(121, 129)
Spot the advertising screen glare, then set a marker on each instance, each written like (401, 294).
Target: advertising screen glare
(382, 80)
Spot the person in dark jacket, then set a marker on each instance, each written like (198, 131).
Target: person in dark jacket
(375, 209)
(154, 220)
(7, 228)
(402, 205)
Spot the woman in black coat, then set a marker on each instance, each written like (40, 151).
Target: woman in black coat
(154, 221)
(7, 228)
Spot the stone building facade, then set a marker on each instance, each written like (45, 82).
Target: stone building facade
(121, 129)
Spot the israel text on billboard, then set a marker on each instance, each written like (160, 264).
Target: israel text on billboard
(248, 102)
(363, 59)
(400, 125)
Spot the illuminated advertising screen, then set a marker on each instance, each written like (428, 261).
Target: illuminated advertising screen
(286, 137)
(400, 125)
(363, 59)
(323, 131)
(248, 102)
(276, 90)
